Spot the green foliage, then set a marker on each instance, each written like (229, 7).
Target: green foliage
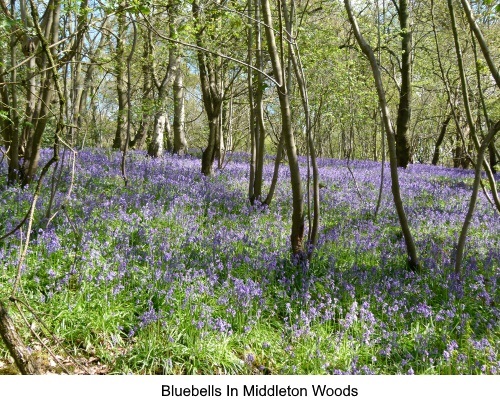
(178, 275)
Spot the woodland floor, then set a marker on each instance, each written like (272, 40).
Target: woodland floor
(178, 274)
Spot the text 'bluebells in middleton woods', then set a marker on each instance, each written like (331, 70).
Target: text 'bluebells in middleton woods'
(259, 390)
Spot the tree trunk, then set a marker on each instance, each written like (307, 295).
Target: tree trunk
(404, 109)
(228, 125)
(274, 181)
(180, 143)
(121, 124)
(156, 145)
(375, 135)
(442, 133)
(42, 110)
(30, 97)
(398, 203)
(13, 154)
(473, 199)
(77, 78)
(457, 151)
(210, 70)
(493, 157)
(147, 86)
(297, 234)
(482, 43)
(168, 145)
(260, 130)
(468, 111)
(9, 131)
(87, 81)
(301, 80)
(15, 345)
(251, 107)
(40, 119)
(210, 151)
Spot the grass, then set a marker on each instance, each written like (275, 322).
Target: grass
(178, 274)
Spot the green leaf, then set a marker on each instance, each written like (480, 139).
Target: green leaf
(144, 9)
(4, 116)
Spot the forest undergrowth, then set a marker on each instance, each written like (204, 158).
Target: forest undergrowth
(178, 274)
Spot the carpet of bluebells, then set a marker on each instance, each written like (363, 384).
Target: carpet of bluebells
(177, 273)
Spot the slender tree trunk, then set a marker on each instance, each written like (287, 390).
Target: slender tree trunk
(212, 94)
(180, 143)
(121, 90)
(468, 111)
(297, 234)
(442, 133)
(260, 129)
(221, 155)
(482, 43)
(382, 170)
(457, 152)
(29, 48)
(228, 127)
(78, 79)
(147, 87)
(161, 122)
(129, 103)
(491, 146)
(42, 114)
(40, 118)
(492, 154)
(378, 116)
(463, 80)
(8, 128)
(368, 51)
(475, 190)
(375, 135)
(89, 77)
(404, 109)
(457, 149)
(301, 80)
(76, 96)
(251, 107)
(13, 171)
(274, 181)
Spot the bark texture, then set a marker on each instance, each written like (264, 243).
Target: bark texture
(24, 361)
